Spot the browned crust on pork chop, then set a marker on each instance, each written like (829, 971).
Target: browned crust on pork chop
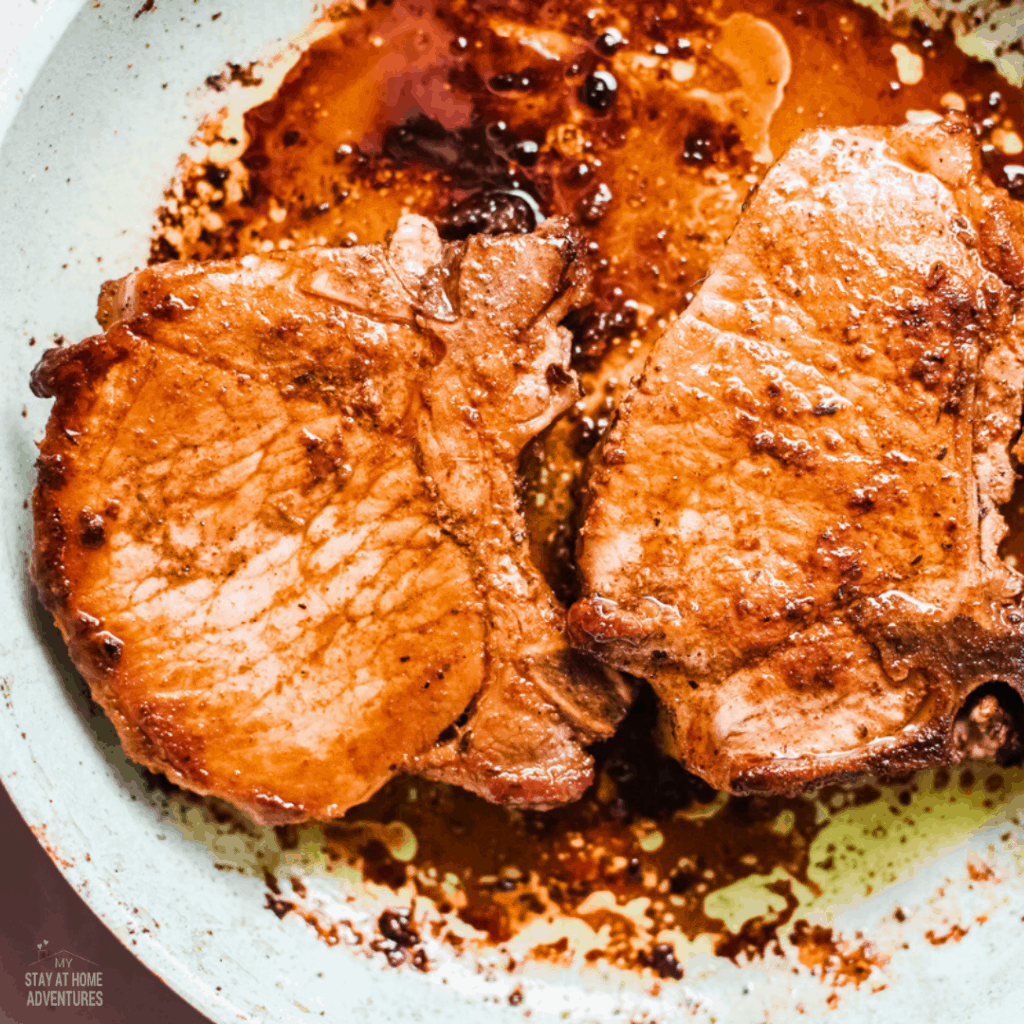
(793, 526)
(277, 526)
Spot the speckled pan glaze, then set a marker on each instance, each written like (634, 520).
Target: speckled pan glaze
(94, 123)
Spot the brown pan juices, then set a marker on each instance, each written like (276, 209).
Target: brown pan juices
(648, 125)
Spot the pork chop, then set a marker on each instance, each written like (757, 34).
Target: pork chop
(276, 522)
(793, 527)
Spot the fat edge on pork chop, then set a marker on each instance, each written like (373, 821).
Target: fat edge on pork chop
(276, 522)
(793, 526)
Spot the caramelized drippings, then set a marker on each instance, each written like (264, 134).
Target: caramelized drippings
(648, 125)
(484, 117)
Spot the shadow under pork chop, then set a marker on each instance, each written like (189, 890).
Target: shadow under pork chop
(793, 526)
(276, 522)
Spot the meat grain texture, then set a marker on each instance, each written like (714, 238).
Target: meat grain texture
(276, 522)
(793, 527)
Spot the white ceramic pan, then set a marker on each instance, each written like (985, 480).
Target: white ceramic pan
(96, 105)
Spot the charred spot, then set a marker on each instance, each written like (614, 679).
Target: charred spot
(278, 906)
(470, 155)
(811, 672)
(956, 390)
(161, 251)
(92, 530)
(1001, 246)
(557, 376)
(215, 175)
(936, 275)
(991, 725)
(479, 159)
(595, 204)
(863, 499)
(325, 458)
(928, 369)
(595, 330)
(47, 375)
(827, 407)
(683, 880)
(748, 198)
(453, 731)
(53, 471)
(796, 453)
(915, 319)
(245, 75)
(380, 867)
(839, 561)
(109, 646)
(51, 541)
(395, 925)
(661, 958)
(799, 610)
(489, 212)
(706, 141)
(172, 308)
(287, 836)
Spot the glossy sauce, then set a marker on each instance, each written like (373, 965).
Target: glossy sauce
(647, 125)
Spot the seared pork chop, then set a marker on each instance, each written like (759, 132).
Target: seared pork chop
(276, 522)
(793, 526)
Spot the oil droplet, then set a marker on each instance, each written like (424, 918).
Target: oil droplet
(401, 841)
(651, 842)
(909, 65)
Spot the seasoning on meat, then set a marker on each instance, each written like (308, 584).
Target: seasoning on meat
(276, 522)
(793, 532)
